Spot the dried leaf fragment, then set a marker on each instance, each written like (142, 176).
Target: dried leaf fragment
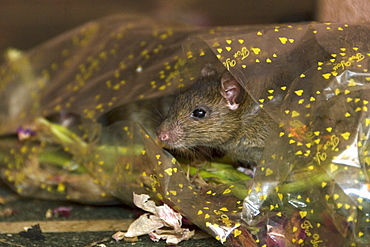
(162, 216)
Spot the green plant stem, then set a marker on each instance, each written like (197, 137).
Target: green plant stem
(59, 159)
(300, 185)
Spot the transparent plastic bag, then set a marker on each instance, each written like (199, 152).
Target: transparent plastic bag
(311, 187)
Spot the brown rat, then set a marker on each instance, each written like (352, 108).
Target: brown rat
(217, 112)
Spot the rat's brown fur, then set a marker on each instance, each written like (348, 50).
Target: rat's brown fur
(240, 133)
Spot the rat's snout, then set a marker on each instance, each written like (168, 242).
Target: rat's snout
(170, 136)
(164, 136)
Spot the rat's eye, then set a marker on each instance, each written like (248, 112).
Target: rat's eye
(199, 113)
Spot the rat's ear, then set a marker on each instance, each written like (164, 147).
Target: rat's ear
(208, 70)
(231, 90)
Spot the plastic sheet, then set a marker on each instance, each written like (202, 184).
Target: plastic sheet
(311, 187)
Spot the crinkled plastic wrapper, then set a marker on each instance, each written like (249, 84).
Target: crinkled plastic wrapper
(70, 128)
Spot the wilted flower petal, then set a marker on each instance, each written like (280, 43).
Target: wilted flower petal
(145, 224)
(118, 236)
(25, 133)
(142, 201)
(171, 236)
(170, 217)
(162, 216)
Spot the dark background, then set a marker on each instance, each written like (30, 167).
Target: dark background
(25, 24)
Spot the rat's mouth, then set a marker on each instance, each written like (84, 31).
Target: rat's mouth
(173, 144)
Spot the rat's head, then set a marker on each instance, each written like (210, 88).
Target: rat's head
(208, 114)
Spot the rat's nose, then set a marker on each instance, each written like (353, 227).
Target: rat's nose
(163, 135)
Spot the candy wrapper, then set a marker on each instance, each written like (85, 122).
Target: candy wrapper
(79, 113)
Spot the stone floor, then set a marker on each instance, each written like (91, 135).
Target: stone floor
(86, 226)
